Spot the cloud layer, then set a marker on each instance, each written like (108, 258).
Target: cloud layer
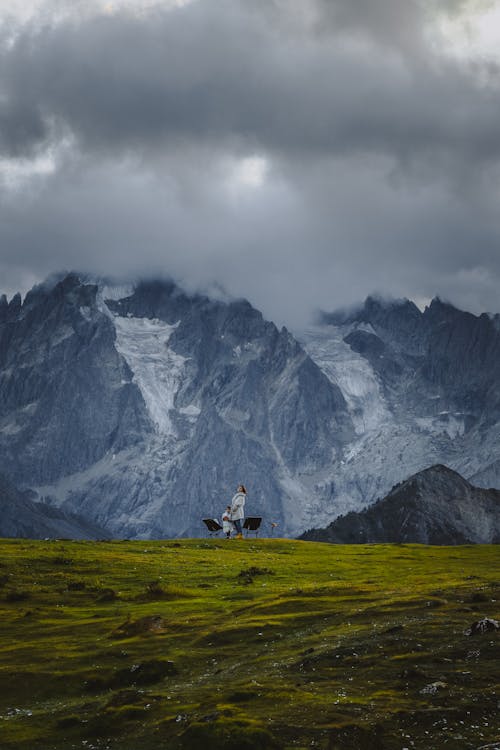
(301, 153)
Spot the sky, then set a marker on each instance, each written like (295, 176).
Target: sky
(300, 153)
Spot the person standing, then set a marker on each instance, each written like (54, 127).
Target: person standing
(238, 510)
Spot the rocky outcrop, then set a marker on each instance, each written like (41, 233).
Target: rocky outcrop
(435, 506)
(66, 395)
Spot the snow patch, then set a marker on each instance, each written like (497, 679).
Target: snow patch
(117, 291)
(191, 411)
(445, 423)
(157, 369)
(86, 312)
(351, 372)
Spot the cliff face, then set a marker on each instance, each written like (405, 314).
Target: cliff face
(66, 395)
(435, 506)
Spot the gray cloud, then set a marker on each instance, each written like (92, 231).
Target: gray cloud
(215, 72)
(381, 152)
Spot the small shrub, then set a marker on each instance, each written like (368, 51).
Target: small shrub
(143, 626)
(124, 698)
(247, 575)
(435, 603)
(68, 721)
(242, 696)
(479, 597)
(106, 595)
(16, 595)
(60, 560)
(156, 591)
(144, 673)
(255, 571)
(76, 586)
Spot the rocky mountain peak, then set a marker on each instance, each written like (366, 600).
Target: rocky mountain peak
(438, 473)
(434, 506)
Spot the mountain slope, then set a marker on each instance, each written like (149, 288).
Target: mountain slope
(66, 395)
(435, 506)
(144, 408)
(421, 387)
(20, 516)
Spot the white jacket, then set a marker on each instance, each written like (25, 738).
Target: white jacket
(227, 524)
(237, 507)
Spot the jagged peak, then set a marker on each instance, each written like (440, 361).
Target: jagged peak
(374, 306)
(439, 307)
(438, 304)
(15, 303)
(387, 303)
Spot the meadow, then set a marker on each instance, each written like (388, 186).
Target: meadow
(247, 645)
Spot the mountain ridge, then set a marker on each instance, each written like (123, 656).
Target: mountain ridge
(435, 506)
(142, 406)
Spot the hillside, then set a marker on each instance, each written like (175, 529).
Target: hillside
(258, 644)
(21, 516)
(435, 506)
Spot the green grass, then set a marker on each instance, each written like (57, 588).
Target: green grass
(246, 644)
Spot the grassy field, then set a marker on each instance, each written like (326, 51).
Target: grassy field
(210, 644)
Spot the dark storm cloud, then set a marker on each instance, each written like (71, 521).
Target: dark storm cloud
(381, 151)
(214, 72)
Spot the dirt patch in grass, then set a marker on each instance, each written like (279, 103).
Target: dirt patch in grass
(143, 626)
(157, 591)
(247, 575)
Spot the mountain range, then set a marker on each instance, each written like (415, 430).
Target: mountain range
(141, 408)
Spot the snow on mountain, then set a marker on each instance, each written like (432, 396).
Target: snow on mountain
(421, 389)
(157, 370)
(142, 407)
(351, 372)
(144, 412)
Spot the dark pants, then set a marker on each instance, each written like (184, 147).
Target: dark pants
(237, 525)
